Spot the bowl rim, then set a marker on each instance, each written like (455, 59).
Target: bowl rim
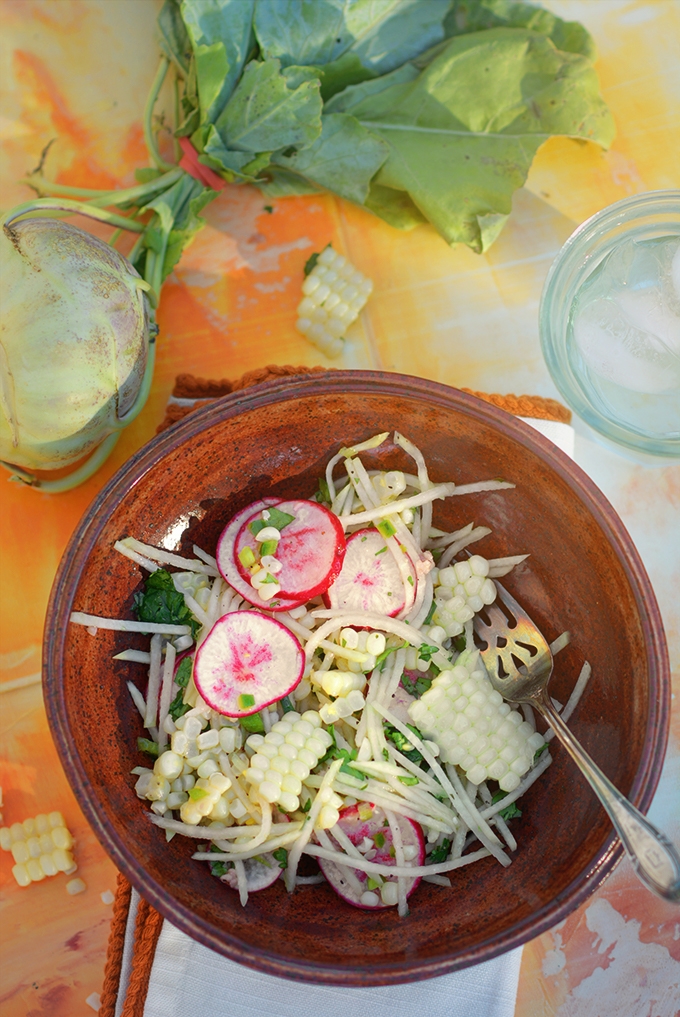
(86, 533)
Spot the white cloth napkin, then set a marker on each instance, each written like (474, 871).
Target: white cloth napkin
(187, 978)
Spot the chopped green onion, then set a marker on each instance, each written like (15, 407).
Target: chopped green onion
(245, 700)
(386, 528)
(145, 745)
(247, 557)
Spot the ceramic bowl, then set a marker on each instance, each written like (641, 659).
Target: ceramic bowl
(583, 575)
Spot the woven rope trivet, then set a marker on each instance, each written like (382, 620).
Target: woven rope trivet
(149, 922)
(202, 390)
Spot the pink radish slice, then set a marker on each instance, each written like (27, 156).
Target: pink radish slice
(311, 548)
(376, 829)
(369, 579)
(261, 872)
(400, 702)
(247, 661)
(227, 561)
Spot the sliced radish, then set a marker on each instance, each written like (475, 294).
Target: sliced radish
(376, 829)
(247, 661)
(227, 561)
(370, 579)
(400, 702)
(311, 548)
(261, 872)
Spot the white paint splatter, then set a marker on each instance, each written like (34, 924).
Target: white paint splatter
(640, 978)
(554, 960)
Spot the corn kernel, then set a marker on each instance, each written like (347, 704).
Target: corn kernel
(20, 873)
(17, 831)
(35, 870)
(75, 886)
(20, 852)
(42, 824)
(47, 865)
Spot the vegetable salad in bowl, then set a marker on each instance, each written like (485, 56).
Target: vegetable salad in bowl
(316, 709)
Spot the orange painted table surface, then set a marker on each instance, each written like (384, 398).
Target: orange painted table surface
(78, 71)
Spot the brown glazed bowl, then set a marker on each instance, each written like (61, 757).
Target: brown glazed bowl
(583, 575)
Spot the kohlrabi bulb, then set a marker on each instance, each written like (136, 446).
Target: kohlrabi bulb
(74, 342)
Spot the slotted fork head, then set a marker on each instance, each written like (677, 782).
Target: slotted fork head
(516, 655)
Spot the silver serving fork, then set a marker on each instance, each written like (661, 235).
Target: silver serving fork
(519, 664)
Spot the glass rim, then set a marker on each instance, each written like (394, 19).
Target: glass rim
(554, 306)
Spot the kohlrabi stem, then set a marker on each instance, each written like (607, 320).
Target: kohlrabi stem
(101, 199)
(148, 115)
(47, 205)
(71, 480)
(145, 386)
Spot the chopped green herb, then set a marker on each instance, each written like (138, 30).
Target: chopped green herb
(286, 704)
(439, 853)
(409, 781)
(425, 651)
(382, 657)
(219, 868)
(146, 745)
(415, 686)
(162, 603)
(307, 805)
(183, 672)
(373, 884)
(381, 551)
(312, 260)
(281, 856)
(268, 208)
(433, 608)
(386, 754)
(402, 743)
(277, 519)
(268, 547)
(245, 700)
(459, 642)
(539, 752)
(510, 811)
(379, 840)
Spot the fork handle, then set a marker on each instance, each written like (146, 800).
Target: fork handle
(654, 859)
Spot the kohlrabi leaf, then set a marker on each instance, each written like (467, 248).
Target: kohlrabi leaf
(343, 159)
(277, 182)
(265, 113)
(478, 15)
(462, 135)
(221, 34)
(172, 35)
(395, 207)
(381, 34)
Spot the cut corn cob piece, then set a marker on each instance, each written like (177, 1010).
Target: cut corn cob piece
(474, 728)
(334, 293)
(285, 756)
(460, 591)
(40, 847)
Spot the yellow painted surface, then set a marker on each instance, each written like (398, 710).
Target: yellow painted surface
(78, 71)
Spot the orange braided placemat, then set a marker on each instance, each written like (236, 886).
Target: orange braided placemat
(188, 386)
